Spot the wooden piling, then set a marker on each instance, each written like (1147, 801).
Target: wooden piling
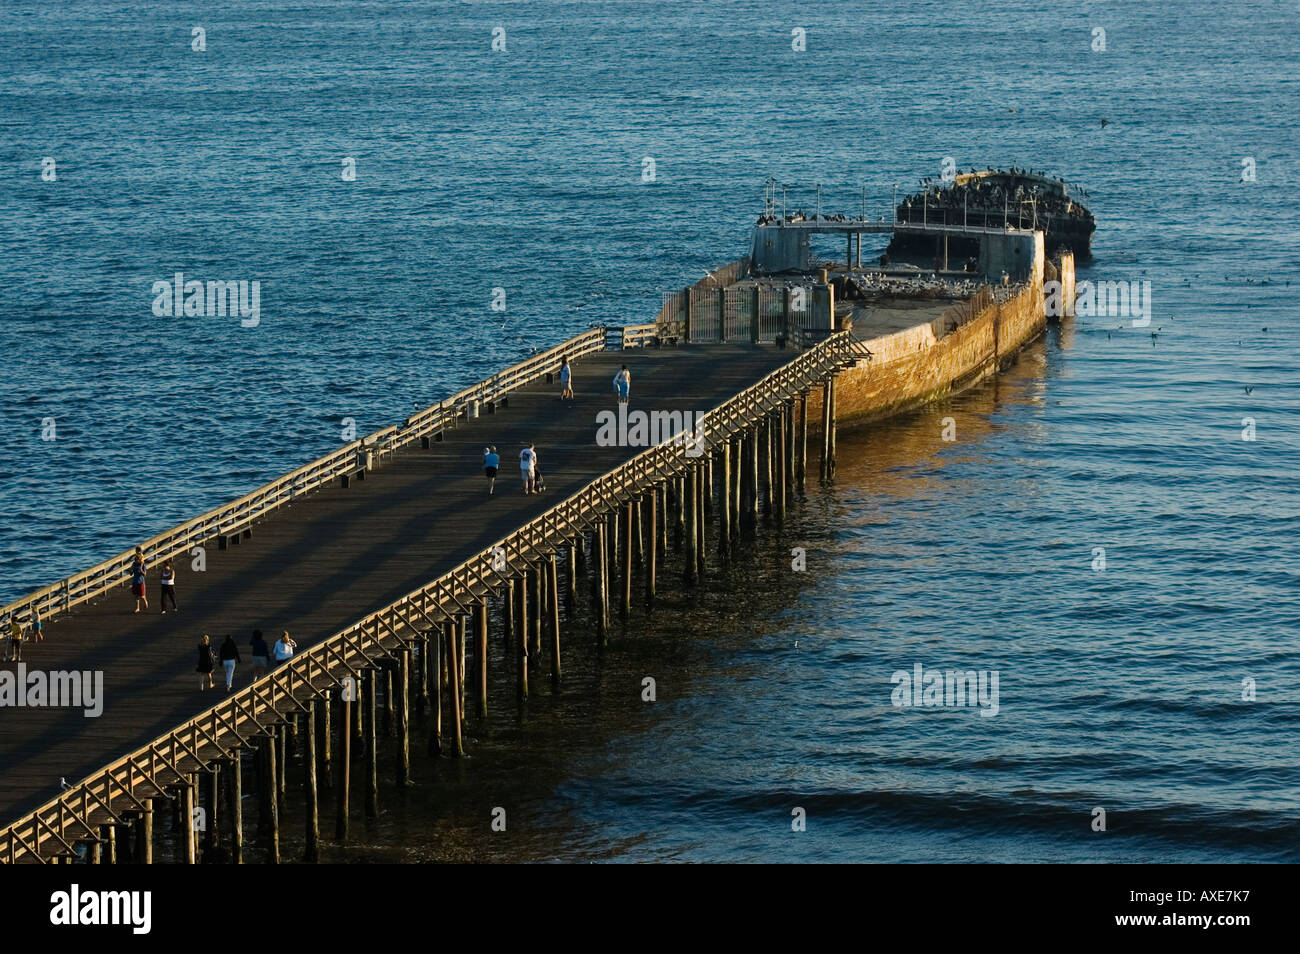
(769, 485)
(802, 462)
(235, 799)
(268, 822)
(508, 616)
(421, 674)
(701, 547)
(144, 834)
(601, 580)
(370, 739)
(751, 478)
(830, 426)
(538, 610)
(311, 795)
(434, 747)
(454, 683)
(386, 678)
(625, 594)
(403, 703)
(826, 431)
(553, 585)
(187, 827)
(778, 492)
(344, 772)
(211, 783)
(661, 497)
(724, 527)
(324, 772)
(108, 836)
(481, 645)
(462, 667)
(691, 527)
(521, 639)
(571, 577)
(653, 552)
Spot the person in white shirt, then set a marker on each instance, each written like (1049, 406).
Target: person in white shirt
(527, 458)
(284, 647)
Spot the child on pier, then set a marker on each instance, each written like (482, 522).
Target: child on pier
(566, 378)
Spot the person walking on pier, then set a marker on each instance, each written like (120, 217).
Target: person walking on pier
(167, 587)
(566, 379)
(204, 668)
(284, 647)
(229, 656)
(37, 630)
(491, 460)
(623, 384)
(260, 654)
(138, 568)
(15, 650)
(527, 459)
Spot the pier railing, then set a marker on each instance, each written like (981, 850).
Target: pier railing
(118, 788)
(238, 515)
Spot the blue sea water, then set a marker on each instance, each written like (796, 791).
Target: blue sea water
(522, 170)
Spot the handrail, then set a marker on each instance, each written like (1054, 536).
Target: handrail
(233, 517)
(211, 735)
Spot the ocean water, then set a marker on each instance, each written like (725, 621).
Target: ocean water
(524, 170)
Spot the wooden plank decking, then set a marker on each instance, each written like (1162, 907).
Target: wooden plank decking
(323, 562)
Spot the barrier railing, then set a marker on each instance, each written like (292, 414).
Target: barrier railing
(238, 515)
(212, 735)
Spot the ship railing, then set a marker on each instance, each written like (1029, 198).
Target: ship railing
(110, 793)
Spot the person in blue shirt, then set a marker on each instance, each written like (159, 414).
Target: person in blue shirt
(138, 567)
(491, 460)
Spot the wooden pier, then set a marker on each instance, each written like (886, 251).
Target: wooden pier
(381, 559)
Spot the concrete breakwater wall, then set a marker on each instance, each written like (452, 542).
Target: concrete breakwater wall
(915, 366)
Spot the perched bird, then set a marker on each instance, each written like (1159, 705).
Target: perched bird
(63, 784)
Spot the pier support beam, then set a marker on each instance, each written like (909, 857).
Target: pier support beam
(652, 553)
(802, 463)
(187, 823)
(403, 679)
(508, 616)
(454, 661)
(571, 575)
(268, 820)
(625, 600)
(782, 460)
(702, 471)
(600, 580)
(826, 431)
(324, 729)
(344, 773)
(481, 645)
(211, 781)
(553, 604)
(834, 400)
(724, 528)
(751, 504)
(144, 834)
(235, 799)
(434, 747)
(690, 526)
(521, 637)
(370, 739)
(311, 850)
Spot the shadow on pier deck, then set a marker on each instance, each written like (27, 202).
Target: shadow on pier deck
(315, 566)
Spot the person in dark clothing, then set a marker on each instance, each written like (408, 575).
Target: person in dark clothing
(205, 666)
(229, 656)
(261, 654)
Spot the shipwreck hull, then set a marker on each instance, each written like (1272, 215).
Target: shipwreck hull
(914, 367)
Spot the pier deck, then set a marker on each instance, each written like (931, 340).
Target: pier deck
(331, 557)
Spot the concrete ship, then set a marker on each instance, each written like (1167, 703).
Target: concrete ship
(924, 325)
(997, 198)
